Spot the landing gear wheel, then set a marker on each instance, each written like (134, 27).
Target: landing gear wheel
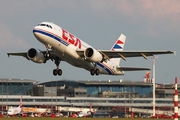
(92, 71)
(97, 71)
(59, 72)
(55, 72)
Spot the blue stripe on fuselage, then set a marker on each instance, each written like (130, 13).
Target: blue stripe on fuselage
(105, 68)
(52, 36)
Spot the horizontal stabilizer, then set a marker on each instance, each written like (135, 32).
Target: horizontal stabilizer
(131, 69)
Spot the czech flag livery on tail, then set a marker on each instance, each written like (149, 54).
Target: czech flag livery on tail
(119, 46)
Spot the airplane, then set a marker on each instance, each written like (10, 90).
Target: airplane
(61, 45)
(16, 110)
(86, 113)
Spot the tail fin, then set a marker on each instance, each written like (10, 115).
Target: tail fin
(20, 104)
(119, 46)
(90, 107)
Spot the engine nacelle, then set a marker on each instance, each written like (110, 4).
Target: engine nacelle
(35, 56)
(93, 55)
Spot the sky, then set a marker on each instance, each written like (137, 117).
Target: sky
(148, 25)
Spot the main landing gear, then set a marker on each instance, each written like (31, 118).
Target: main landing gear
(57, 71)
(95, 71)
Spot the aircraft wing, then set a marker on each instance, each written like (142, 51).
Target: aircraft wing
(125, 54)
(23, 54)
(131, 69)
(52, 56)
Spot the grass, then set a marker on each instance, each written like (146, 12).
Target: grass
(49, 118)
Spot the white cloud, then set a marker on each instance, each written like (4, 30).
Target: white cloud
(149, 8)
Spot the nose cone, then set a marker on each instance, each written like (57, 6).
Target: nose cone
(35, 31)
(9, 113)
(38, 33)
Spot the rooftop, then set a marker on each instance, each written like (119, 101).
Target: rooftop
(17, 80)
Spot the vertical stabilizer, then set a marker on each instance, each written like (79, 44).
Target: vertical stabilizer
(119, 46)
(90, 106)
(20, 104)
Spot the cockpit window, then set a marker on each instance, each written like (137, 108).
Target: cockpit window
(49, 26)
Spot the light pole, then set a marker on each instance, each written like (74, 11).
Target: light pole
(2, 97)
(7, 93)
(125, 105)
(51, 95)
(154, 87)
(56, 98)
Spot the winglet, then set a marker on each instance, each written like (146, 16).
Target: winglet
(8, 54)
(174, 53)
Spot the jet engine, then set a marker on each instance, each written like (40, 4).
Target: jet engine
(93, 55)
(35, 56)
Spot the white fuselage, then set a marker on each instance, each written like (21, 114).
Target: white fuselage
(84, 114)
(14, 111)
(65, 44)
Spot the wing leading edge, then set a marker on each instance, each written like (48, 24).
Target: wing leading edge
(125, 54)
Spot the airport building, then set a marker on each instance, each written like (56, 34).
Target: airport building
(91, 88)
(103, 95)
(108, 89)
(16, 86)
